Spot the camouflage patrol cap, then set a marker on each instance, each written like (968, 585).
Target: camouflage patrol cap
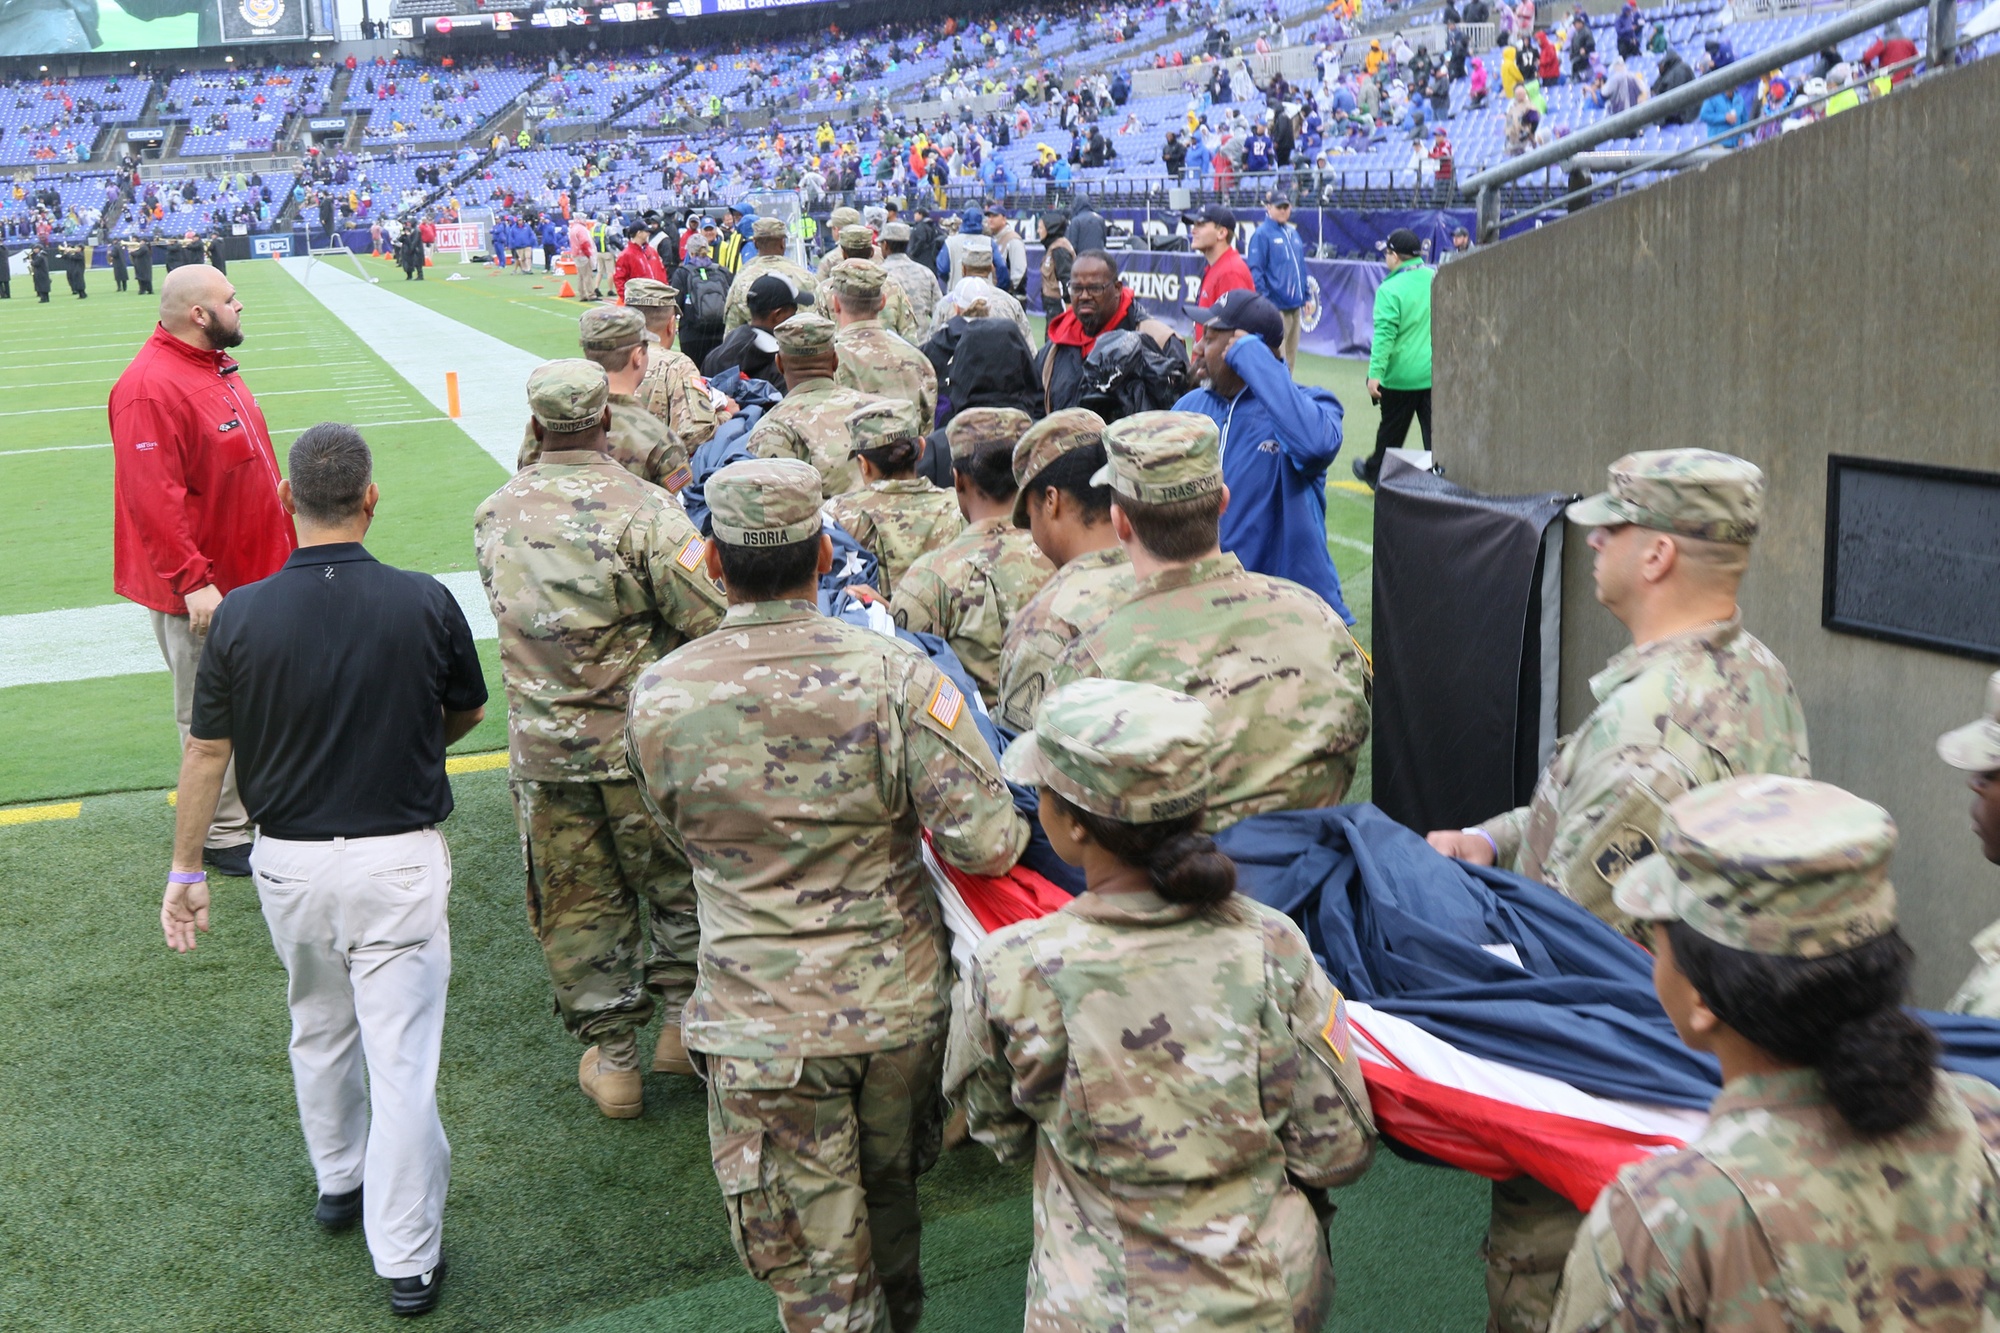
(805, 334)
(1054, 435)
(646, 294)
(1161, 457)
(977, 428)
(1770, 865)
(855, 239)
(607, 328)
(568, 396)
(1975, 747)
(854, 277)
(765, 228)
(842, 217)
(978, 253)
(1132, 752)
(1693, 492)
(890, 421)
(896, 231)
(764, 502)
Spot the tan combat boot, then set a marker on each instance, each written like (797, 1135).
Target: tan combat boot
(616, 1091)
(671, 1055)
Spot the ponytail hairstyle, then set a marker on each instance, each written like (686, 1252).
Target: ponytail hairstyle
(1184, 863)
(895, 459)
(1840, 1015)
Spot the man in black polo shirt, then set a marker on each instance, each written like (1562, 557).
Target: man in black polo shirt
(336, 684)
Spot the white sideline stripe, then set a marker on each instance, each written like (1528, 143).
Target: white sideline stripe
(542, 309)
(1350, 543)
(295, 430)
(50, 647)
(421, 345)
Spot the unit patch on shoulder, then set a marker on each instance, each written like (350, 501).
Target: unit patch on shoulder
(691, 554)
(946, 704)
(1622, 849)
(1337, 1032)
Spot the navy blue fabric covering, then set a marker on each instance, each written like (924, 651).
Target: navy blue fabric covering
(853, 563)
(726, 446)
(1404, 929)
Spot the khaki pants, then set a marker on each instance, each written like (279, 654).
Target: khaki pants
(181, 646)
(360, 925)
(586, 278)
(818, 1160)
(1291, 344)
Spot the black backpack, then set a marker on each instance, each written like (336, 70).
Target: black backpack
(1126, 373)
(708, 294)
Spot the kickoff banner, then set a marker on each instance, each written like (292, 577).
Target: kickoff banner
(1339, 315)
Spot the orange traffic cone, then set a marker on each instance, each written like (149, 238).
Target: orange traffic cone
(430, 263)
(567, 291)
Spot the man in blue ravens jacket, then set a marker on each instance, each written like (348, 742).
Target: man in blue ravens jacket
(1278, 267)
(1278, 439)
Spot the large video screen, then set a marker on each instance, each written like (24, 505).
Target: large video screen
(76, 27)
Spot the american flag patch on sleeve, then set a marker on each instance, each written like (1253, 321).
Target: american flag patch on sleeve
(1337, 1032)
(676, 481)
(946, 704)
(691, 554)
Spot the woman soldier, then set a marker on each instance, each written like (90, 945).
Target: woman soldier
(898, 515)
(1843, 1181)
(1171, 1048)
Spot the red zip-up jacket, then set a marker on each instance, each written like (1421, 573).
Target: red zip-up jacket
(636, 261)
(1226, 274)
(196, 489)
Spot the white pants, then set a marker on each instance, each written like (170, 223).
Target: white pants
(359, 924)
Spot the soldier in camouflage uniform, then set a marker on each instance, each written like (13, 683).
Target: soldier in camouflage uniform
(1974, 749)
(811, 423)
(821, 1007)
(1694, 700)
(857, 245)
(1186, 1117)
(968, 591)
(1843, 1182)
(873, 358)
(836, 220)
(1070, 521)
(614, 337)
(897, 515)
(918, 283)
(974, 295)
(672, 388)
(768, 235)
(1277, 668)
(593, 573)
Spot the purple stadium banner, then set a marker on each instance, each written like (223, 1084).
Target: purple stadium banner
(1340, 308)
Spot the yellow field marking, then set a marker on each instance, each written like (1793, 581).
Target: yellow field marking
(173, 798)
(1352, 487)
(476, 763)
(36, 814)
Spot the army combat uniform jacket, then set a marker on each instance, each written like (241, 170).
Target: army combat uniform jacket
(736, 311)
(796, 760)
(969, 590)
(1078, 596)
(811, 426)
(1179, 1075)
(1778, 1218)
(1704, 705)
(898, 520)
(677, 396)
(1279, 672)
(875, 360)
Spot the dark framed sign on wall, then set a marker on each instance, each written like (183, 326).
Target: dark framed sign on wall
(1913, 555)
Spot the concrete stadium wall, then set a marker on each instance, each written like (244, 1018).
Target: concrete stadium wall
(1836, 290)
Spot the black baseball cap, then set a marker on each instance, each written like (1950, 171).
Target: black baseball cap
(1278, 199)
(774, 292)
(1403, 241)
(1242, 309)
(1215, 213)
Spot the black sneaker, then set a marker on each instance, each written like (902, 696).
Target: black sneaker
(1363, 473)
(416, 1295)
(231, 861)
(338, 1212)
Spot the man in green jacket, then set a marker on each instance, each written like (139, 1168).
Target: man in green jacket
(1399, 366)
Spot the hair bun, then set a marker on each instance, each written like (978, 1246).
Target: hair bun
(1189, 868)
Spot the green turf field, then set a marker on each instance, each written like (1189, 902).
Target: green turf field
(151, 1171)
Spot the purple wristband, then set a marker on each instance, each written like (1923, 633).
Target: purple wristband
(187, 877)
(1489, 841)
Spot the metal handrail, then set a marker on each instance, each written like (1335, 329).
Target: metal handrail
(1663, 160)
(1485, 184)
